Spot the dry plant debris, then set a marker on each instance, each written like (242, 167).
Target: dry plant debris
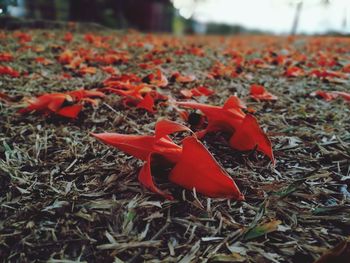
(65, 197)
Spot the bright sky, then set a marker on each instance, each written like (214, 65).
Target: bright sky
(272, 15)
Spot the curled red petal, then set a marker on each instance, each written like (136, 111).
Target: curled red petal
(52, 102)
(139, 146)
(165, 127)
(327, 96)
(186, 93)
(218, 118)
(249, 136)
(198, 169)
(205, 91)
(344, 95)
(56, 102)
(70, 111)
(82, 93)
(233, 102)
(145, 178)
(258, 92)
(147, 103)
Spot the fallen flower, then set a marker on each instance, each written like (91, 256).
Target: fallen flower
(7, 70)
(182, 78)
(258, 92)
(6, 57)
(43, 61)
(328, 96)
(244, 129)
(196, 92)
(294, 71)
(323, 74)
(193, 167)
(64, 104)
(158, 79)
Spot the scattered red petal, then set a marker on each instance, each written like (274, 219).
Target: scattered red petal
(7, 70)
(258, 92)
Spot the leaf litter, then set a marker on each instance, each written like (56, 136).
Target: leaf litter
(65, 197)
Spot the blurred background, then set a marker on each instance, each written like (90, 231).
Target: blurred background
(193, 16)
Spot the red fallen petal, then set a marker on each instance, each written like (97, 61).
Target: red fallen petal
(249, 135)
(327, 96)
(146, 103)
(56, 102)
(68, 37)
(87, 70)
(82, 93)
(7, 70)
(344, 95)
(260, 93)
(294, 72)
(157, 79)
(50, 102)
(186, 93)
(145, 178)
(218, 118)
(183, 79)
(257, 89)
(120, 92)
(198, 169)
(166, 127)
(234, 102)
(162, 81)
(183, 114)
(6, 57)
(110, 70)
(70, 111)
(139, 146)
(205, 91)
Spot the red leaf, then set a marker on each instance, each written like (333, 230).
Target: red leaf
(198, 169)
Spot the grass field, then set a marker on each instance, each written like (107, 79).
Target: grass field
(66, 197)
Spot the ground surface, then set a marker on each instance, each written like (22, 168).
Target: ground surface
(65, 195)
